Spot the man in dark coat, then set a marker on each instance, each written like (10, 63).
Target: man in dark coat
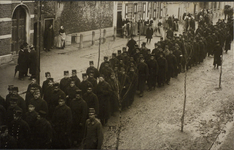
(91, 100)
(38, 102)
(153, 72)
(64, 83)
(114, 61)
(228, 42)
(7, 102)
(71, 93)
(131, 45)
(11, 109)
(31, 118)
(103, 94)
(45, 83)
(20, 130)
(49, 38)
(49, 90)
(32, 62)
(170, 33)
(3, 115)
(93, 81)
(22, 62)
(149, 33)
(29, 95)
(43, 132)
(103, 64)
(34, 83)
(91, 68)
(143, 72)
(114, 96)
(79, 111)
(6, 140)
(20, 101)
(123, 88)
(75, 78)
(217, 55)
(162, 69)
(106, 70)
(133, 84)
(93, 132)
(85, 84)
(53, 101)
(61, 122)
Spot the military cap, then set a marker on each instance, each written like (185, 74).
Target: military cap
(10, 87)
(47, 73)
(56, 84)
(21, 46)
(119, 51)
(148, 50)
(3, 128)
(78, 91)
(74, 71)
(161, 38)
(101, 75)
(143, 43)
(136, 45)
(113, 54)
(61, 97)
(141, 58)
(105, 57)
(65, 72)
(84, 74)
(15, 89)
(18, 113)
(51, 79)
(124, 48)
(90, 62)
(25, 44)
(42, 113)
(91, 110)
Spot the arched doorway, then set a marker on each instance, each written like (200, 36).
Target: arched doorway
(18, 28)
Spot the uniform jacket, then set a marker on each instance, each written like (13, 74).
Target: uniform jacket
(76, 79)
(92, 101)
(64, 83)
(79, 111)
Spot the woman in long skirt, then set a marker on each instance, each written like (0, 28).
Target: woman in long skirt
(61, 38)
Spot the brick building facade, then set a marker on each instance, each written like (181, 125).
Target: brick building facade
(16, 26)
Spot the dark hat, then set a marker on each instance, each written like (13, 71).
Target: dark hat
(31, 104)
(143, 43)
(10, 87)
(148, 49)
(18, 113)
(51, 79)
(15, 89)
(91, 110)
(61, 97)
(161, 38)
(119, 51)
(141, 58)
(25, 44)
(65, 72)
(84, 74)
(113, 54)
(105, 57)
(74, 71)
(56, 84)
(90, 62)
(21, 46)
(123, 48)
(78, 91)
(42, 113)
(47, 73)
(136, 45)
(3, 128)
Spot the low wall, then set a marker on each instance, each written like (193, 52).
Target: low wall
(4, 59)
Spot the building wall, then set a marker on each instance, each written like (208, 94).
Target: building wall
(7, 8)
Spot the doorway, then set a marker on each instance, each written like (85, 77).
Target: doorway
(18, 28)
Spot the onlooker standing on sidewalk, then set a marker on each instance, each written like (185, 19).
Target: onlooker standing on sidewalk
(22, 62)
(32, 60)
(49, 38)
(61, 38)
(149, 34)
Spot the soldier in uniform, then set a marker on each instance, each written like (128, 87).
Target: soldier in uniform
(131, 45)
(43, 131)
(103, 64)
(123, 87)
(22, 62)
(143, 72)
(162, 69)
(20, 130)
(79, 111)
(93, 132)
(217, 55)
(75, 78)
(103, 94)
(31, 118)
(71, 92)
(11, 109)
(91, 100)
(61, 122)
(45, 83)
(91, 68)
(29, 95)
(85, 83)
(114, 96)
(7, 102)
(64, 82)
(49, 90)
(6, 140)
(113, 60)
(38, 102)
(92, 80)
(153, 71)
(53, 101)
(133, 84)
(34, 83)
(119, 54)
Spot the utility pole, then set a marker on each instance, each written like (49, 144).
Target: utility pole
(38, 42)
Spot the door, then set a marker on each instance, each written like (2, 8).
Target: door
(18, 28)
(119, 22)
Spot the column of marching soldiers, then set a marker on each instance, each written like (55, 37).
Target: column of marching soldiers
(71, 113)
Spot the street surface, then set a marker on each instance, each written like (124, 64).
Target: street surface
(153, 121)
